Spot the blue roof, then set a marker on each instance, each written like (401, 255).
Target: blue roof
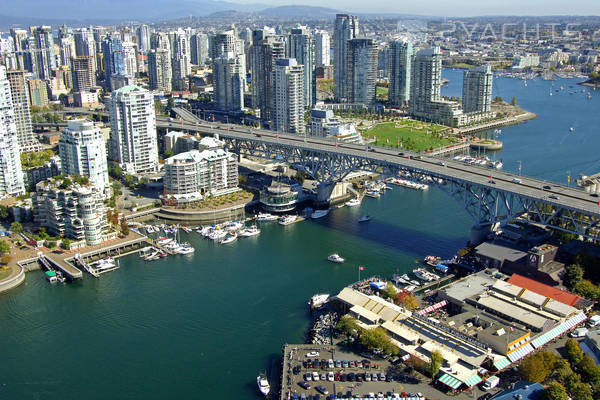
(528, 391)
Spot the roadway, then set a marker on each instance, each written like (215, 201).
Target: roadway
(536, 189)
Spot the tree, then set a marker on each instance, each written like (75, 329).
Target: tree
(129, 180)
(4, 247)
(589, 369)
(574, 352)
(574, 275)
(51, 244)
(348, 326)
(168, 153)
(514, 101)
(377, 339)
(66, 183)
(3, 212)
(407, 300)
(435, 363)
(537, 367)
(579, 390)
(16, 227)
(555, 391)
(389, 291)
(124, 227)
(65, 244)
(115, 171)
(170, 103)
(588, 290)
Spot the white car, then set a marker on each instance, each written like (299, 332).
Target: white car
(315, 376)
(330, 376)
(308, 377)
(516, 180)
(312, 354)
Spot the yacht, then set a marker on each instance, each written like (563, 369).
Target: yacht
(319, 213)
(263, 384)
(425, 275)
(186, 249)
(373, 193)
(231, 237)
(354, 202)
(247, 232)
(103, 265)
(416, 283)
(233, 226)
(405, 277)
(217, 234)
(335, 258)
(318, 300)
(364, 218)
(287, 219)
(266, 217)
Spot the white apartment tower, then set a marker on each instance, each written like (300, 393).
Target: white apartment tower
(477, 90)
(83, 152)
(288, 96)
(322, 49)
(133, 130)
(11, 174)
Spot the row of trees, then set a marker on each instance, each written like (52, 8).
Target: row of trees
(371, 338)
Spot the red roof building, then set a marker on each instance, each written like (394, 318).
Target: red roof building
(544, 290)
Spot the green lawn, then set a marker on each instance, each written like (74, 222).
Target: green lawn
(461, 65)
(382, 92)
(413, 135)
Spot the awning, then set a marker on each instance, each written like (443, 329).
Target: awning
(450, 381)
(472, 381)
(378, 285)
(520, 352)
(501, 363)
(571, 322)
(548, 336)
(432, 308)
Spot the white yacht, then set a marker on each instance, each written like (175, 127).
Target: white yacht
(353, 202)
(266, 217)
(263, 384)
(217, 234)
(186, 249)
(103, 265)
(287, 219)
(336, 258)
(364, 218)
(318, 300)
(233, 226)
(231, 237)
(319, 213)
(247, 232)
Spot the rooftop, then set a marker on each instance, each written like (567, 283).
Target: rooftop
(526, 391)
(543, 289)
(497, 252)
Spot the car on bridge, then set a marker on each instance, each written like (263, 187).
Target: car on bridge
(516, 180)
(546, 187)
(553, 196)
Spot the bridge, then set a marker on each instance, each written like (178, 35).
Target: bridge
(489, 196)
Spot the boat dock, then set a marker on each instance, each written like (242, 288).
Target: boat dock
(437, 284)
(50, 262)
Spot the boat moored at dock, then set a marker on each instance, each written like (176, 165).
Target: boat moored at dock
(263, 384)
(318, 300)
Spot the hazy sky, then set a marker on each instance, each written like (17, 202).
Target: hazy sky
(454, 7)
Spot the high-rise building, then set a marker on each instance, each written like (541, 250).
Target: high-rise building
(477, 90)
(20, 103)
(288, 96)
(301, 46)
(199, 48)
(19, 39)
(44, 52)
(143, 38)
(159, 70)
(67, 49)
(426, 100)
(85, 45)
(222, 43)
(181, 62)
(160, 40)
(322, 49)
(119, 60)
(361, 71)
(38, 93)
(228, 77)
(346, 28)
(266, 49)
(133, 130)
(400, 69)
(83, 73)
(83, 152)
(11, 174)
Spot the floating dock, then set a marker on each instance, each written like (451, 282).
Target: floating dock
(54, 263)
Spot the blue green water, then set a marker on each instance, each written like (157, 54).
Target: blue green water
(203, 326)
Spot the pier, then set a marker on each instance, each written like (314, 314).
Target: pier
(438, 283)
(50, 262)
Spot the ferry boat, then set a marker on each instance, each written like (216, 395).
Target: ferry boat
(287, 219)
(263, 384)
(266, 217)
(318, 300)
(336, 258)
(364, 218)
(231, 237)
(319, 213)
(353, 202)
(247, 232)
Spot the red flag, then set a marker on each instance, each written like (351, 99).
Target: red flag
(361, 268)
(277, 135)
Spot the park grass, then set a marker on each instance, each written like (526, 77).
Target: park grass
(461, 65)
(413, 135)
(382, 92)
(4, 273)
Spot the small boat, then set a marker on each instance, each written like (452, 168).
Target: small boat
(364, 218)
(186, 249)
(354, 202)
(318, 300)
(233, 226)
(263, 384)
(319, 213)
(416, 283)
(217, 234)
(266, 217)
(373, 193)
(51, 276)
(287, 219)
(571, 129)
(247, 232)
(186, 229)
(231, 237)
(336, 258)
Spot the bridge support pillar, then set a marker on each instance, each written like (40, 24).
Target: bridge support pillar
(324, 192)
(479, 233)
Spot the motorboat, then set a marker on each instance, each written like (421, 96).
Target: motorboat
(353, 202)
(405, 277)
(217, 234)
(416, 283)
(373, 193)
(287, 219)
(425, 275)
(51, 276)
(319, 213)
(364, 218)
(263, 384)
(186, 249)
(336, 258)
(103, 265)
(231, 237)
(266, 217)
(247, 232)
(318, 300)
(233, 226)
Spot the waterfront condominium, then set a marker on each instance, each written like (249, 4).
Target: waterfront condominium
(228, 76)
(83, 152)
(133, 130)
(11, 174)
(361, 71)
(288, 96)
(477, 90)
(301, 46)
(159, 70)
(346, 28)
(322, 49)
(71, 210)
(192, 175)
(22, 118)
(400, 67)
(266, 49)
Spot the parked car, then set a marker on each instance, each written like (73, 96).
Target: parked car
(312, 354)
(330, 376)
(308, 376)
(322, 390)
(579, 332)
(315, 376)
(304, 385)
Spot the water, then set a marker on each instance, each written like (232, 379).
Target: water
(206, 324)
